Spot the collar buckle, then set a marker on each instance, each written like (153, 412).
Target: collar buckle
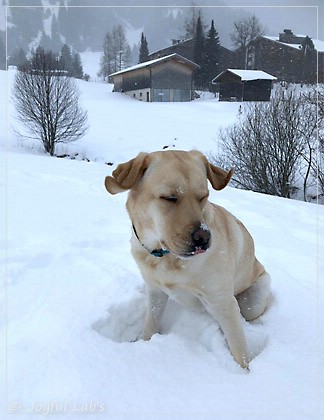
(156, 252)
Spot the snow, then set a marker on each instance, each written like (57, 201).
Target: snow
(91, 63)
(133, 34)
(47, 25)
(151, 62)
(318, 44)
(246, 75)
(72, 298)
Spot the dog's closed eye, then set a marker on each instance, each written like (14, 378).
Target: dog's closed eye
(171, 198)
(204, 197)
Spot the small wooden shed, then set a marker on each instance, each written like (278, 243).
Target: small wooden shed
(243, 85)
(166, 79)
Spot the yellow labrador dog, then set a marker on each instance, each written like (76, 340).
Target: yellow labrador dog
(189, 248)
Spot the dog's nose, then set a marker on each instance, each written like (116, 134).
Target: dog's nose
(201, 238)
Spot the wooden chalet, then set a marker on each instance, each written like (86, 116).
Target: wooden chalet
(291, 58)
(243, 85)
(166, 79)
(186, 48)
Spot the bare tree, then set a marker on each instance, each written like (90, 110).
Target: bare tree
(116, 52)
(106, 60)
(314, 98)
(46, 101)
(269, 142)
(245, 31)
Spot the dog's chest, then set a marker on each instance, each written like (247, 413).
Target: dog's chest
(174, 277)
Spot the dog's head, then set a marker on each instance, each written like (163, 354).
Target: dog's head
(168, 198)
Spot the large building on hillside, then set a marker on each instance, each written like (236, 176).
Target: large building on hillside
(289, 57)
(185, 48)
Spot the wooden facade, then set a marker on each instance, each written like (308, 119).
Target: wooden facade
(167, 79)
(243, 85)
(185, 48)
(289, 57)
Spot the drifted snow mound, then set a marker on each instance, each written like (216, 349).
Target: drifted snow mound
(125, 320)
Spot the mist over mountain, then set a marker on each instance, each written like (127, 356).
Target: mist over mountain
(51, 23)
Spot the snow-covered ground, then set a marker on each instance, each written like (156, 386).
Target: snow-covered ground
(72, 299)
(91, 63)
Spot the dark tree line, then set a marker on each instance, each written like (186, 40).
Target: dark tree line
(2, 55)
(66, 59)
(144, 51)
(71, 62)
(206, 54)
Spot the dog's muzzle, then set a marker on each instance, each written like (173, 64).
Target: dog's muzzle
(201, 240)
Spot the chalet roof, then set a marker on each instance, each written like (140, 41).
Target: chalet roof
(176, 44)
(319, 45)
(150, 63)
(246, 75)
(182, 43)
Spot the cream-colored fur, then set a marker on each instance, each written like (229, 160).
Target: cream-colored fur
(211, 263)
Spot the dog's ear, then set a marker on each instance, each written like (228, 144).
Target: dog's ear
(127, 174)
(217, 176)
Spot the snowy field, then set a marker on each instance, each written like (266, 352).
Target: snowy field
(72, 298)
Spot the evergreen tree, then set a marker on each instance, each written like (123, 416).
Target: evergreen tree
(212, 52)
(143, 52)
(66, 60)
(2, 56)
(77, 66)
(18, 58)
(41, 61)
(45, 41)
(199, 55)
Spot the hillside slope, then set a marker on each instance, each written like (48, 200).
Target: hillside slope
(72, 299)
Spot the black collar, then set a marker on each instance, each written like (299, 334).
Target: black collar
(156, 252)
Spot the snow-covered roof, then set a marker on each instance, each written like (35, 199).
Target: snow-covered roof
(246, 75)
(153, 62)
(319, 45)
(180, 43)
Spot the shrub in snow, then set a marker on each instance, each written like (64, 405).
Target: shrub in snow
(46, 101)
(272, 145)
